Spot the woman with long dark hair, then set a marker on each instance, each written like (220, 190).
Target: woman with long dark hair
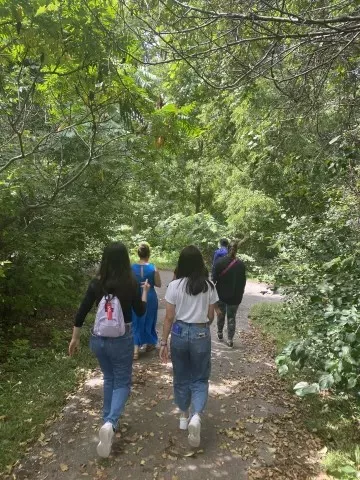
(190, 303)
(117, 290)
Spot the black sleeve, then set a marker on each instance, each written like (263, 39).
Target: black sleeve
(138, 305)
(216, 272)
(85, 306)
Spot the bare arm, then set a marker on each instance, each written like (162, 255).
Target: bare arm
(157, 279)
(211, 312)
(169, 319)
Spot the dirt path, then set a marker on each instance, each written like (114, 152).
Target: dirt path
(251, 428)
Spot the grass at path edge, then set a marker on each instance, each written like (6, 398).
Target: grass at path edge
(35, 383)
(335, 418)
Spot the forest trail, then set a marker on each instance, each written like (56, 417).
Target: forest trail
(252, 427)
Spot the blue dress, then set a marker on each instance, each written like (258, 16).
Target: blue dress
(144, 327)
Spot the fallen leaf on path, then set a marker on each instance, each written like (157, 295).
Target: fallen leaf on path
(47, 454)
(173, 451)
(64, 467)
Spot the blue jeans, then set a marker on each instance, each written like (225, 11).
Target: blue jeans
(191, 359)
(115, 357)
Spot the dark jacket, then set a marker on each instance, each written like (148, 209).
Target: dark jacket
(130, 299)
(231, 285)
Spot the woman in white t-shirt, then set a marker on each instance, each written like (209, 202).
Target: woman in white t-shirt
(190, 301)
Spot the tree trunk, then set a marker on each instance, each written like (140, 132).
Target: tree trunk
(198, 198)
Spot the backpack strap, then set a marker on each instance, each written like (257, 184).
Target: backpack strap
(231, 264)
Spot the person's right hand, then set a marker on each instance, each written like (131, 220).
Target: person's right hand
(164, 353)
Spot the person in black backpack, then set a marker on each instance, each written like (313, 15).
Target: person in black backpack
(230, 279)
(116, 292)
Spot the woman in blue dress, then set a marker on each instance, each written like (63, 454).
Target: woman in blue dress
(144, 326)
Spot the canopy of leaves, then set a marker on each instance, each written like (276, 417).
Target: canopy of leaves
(181, 123)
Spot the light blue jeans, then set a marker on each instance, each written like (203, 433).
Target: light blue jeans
(115, 357)
(191, 359)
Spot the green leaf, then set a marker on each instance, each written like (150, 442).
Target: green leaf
(303, 388)
(283, 369)
(326, 381)
(348, 469)
(352, 381)
(41, 10)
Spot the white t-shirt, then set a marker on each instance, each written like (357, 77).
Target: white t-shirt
(190, 308)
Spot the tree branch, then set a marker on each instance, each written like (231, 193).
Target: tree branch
(292, 19)
(24, 155)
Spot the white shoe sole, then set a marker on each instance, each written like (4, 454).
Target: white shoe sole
(104, 447)
(194, 433)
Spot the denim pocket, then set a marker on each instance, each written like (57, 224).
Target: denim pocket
(200, 332)
(202, 335)
(201, 338)
(176, 329)
(94, 343)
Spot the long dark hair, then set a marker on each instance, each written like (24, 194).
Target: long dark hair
(233, 249)
(115, 270)
(191, 266)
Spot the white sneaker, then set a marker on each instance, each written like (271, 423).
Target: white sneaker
(194, 430)
(106, 435)
(184, 422)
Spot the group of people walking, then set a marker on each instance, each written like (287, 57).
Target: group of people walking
(126, 321)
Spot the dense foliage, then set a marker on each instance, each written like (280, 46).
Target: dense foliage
(117, 122)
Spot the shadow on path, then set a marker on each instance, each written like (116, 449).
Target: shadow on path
(251, 428)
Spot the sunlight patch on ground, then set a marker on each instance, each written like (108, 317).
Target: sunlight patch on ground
(223, 388)
(94, 382)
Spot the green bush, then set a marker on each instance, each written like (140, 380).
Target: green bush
(319, 264)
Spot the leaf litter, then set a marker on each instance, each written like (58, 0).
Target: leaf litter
(260, 425)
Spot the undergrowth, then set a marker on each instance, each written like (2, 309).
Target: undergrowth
(36, 376)
(335, 418)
